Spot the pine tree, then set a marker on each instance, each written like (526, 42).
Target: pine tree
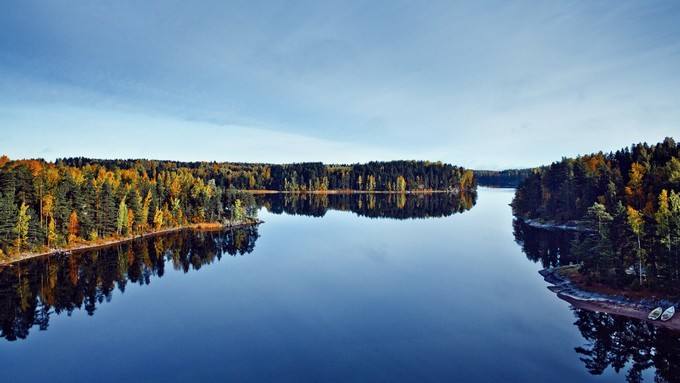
(674, 229)
(107, 210)
(135, 214)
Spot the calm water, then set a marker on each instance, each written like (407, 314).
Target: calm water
(328, 289)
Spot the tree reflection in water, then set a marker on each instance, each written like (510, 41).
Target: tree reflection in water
(393, 205)
(628, 345)
(34, 289)
(624, 344)
(550, 247)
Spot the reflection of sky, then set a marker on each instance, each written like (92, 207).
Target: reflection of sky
(488, 84)
(338, 298)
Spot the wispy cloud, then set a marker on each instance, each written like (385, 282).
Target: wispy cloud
(484, 84)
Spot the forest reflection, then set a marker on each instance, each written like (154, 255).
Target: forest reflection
(549, 247)
(396, 206)
(33, 290)
(627, 345)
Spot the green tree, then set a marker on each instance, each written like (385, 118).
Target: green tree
(51, 232)
(144, 213)
(135, 217)
(238, 213)
(637, 226)
(22, 226)
(674, 228)
(599, 218)
(122, 221)
(596, 249)
(662, 218)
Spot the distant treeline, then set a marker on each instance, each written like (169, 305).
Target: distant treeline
(502, 178)
(308, 176)
(46, 205)
(629, 199)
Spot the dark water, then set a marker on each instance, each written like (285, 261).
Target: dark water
(337, 288)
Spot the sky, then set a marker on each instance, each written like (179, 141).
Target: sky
(482, 84)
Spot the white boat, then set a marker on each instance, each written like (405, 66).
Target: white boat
(668, 314)
(655, 314)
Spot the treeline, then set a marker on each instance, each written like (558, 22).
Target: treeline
(46, 205)
(630, 201)
(509, 178)
(310, 176)
(36, 289)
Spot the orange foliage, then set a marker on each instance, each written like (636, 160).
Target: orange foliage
(73, 226)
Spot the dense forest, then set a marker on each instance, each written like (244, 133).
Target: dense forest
(628, 200)
(509, 178)
(309, 176)
(36, 289)
(45, 205)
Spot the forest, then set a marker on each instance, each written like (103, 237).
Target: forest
(397, 176)
(627, 201)
(46, 205)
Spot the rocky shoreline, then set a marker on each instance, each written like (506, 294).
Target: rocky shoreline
(568, 291)
(549, 225)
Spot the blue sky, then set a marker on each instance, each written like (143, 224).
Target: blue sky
(484, 84)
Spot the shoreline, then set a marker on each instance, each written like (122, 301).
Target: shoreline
(207, 227)
(636, 308)
(551, 225)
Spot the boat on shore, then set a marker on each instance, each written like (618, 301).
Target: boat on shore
(668, 314)
(638, 308)
(655, 314)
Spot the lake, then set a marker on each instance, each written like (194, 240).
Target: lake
(386, 288)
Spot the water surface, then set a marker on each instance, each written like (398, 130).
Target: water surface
(334, 288)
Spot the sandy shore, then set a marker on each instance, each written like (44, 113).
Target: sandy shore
(611, 304)
(117, 241)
